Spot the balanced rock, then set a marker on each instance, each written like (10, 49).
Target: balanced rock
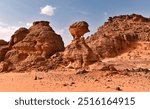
(78, 54)
(78, 29)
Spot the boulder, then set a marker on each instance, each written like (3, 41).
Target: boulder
(108, 68)
(78, 29)
(3, 66)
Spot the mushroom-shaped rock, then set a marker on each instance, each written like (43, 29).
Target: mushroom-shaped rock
(78, 29)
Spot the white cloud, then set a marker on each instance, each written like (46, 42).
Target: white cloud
(48, 10)
(3, 24)
(6, 31)
(28, 24)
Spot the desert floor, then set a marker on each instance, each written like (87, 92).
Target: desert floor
(69, 81)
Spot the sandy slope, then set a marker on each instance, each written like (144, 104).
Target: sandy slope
(68, 80)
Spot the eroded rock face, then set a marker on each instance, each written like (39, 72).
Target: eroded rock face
(78, 54)
(3, 49)
(19, 35)
(119, 34)
(27, 46)
(3, 66)
(78, 29)
(3, 42)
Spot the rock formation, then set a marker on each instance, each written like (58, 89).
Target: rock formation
(3, 49)
(2, 43)
(78, 54)
(19, 35)
(78, 29)
(41, 48)
(27, 47)
(119, 34)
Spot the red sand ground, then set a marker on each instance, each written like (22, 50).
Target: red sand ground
(64, 81)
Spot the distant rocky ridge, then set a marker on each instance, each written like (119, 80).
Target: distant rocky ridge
(39, 47)
(119, 34)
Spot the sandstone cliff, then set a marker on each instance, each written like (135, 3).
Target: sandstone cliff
(119, 34)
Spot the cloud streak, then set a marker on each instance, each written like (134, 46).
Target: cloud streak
(48, 10)
(6, 31)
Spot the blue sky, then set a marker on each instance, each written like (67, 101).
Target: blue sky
(62, 13)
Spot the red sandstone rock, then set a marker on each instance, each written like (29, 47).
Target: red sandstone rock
(19, 35)
(3, 66)
(27, 45)
(119, 34)
(2, 42)
(78, 29)
(41, 48)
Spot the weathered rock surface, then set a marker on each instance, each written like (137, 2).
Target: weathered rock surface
(119, 34)
(3, 42)
(78, 29)
(39, 47)
(4, 66)
(3, 50)
(27, 47)
(78, 54)
(19, 35)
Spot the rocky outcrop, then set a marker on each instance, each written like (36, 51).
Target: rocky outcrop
(78, 29)
(78, 54)
(41, 40)
(3, 42)
(41, 48)
(27, 47)
(119, 34)
(3, 49)
(4, 66)
(19, 35)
